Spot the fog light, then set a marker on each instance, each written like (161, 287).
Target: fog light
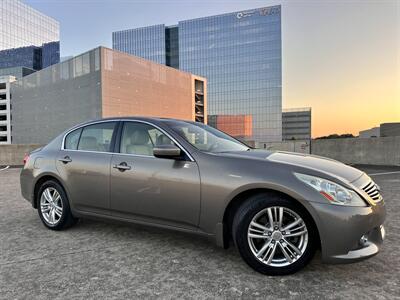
(383, 232)
(364, 240)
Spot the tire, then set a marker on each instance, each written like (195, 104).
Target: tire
(251, 243)
(63, 219)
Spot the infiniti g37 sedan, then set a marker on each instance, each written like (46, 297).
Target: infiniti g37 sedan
(276, 207)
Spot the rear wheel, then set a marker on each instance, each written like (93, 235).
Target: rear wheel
(53, 206)
(274, 235)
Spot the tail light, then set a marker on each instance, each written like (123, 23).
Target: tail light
(26, 157)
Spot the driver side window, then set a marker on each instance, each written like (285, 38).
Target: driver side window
(140, 139)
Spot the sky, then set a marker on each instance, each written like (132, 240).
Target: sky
(341, 58)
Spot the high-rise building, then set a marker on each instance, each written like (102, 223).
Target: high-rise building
(17, 72)
(239, 53)
(296, 124)
(28, 38)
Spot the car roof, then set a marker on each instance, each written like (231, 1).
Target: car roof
(138, 118)
(135, 118)
(159, 119)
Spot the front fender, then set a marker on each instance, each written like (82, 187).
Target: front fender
(221, 228)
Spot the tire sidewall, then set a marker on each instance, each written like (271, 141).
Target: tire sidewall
(60, 224)
(240, 229)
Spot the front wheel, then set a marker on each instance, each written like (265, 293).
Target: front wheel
(274, 235)
(53, 206)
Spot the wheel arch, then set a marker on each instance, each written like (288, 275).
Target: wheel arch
(241, 197)
(42, 179)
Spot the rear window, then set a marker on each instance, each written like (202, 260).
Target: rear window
(72, 139)
(97, 137)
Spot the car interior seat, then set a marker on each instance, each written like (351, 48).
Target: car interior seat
(88, 143)
(163, 140)
(140, 143)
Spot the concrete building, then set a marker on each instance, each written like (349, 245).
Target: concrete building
(5, 109)
(369, 133)
(28, 38)
(296, 124)
(240, 55)
(390, 129)
(102, 83)
(64, 58)
(384, 130)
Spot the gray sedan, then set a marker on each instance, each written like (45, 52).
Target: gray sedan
(277, 208)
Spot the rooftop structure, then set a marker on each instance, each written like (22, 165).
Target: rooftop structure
(102, 83)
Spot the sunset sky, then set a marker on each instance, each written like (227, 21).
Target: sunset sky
(342, 58)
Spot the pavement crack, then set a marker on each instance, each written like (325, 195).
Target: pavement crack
(63, 254)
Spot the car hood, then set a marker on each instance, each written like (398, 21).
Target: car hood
(321, 164)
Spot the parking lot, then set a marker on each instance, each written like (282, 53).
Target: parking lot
(106, 260)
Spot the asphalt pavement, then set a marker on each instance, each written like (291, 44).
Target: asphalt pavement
(97, 259)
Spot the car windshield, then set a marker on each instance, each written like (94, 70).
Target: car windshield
(206, 138)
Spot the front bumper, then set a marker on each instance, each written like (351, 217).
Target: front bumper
(367, 248)
(349, 234)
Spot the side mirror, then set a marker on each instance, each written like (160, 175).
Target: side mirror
(166, 151)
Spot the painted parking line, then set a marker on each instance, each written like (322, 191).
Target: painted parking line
(385, 173)
(5, 168)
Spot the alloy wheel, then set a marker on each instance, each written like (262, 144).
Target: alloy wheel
(51, 206)
(277, 236)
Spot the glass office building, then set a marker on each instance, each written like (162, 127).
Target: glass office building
(147, 42)
(240, 55)
(28, 38)
(17, 72)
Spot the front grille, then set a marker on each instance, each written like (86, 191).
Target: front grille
(372, 189)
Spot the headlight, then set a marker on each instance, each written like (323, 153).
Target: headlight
(333, 192)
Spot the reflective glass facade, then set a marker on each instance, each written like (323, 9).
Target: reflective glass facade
(17, 72)
(147, 42)
(240, 55)
(50, 54)
(28, 38)
(29, 57)
(172, 46)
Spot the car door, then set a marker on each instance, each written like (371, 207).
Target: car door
(151, 189)
(84, 164)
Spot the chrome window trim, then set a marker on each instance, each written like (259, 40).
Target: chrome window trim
(135, 155)
(123, 120)
(81, 126)
(87, 151)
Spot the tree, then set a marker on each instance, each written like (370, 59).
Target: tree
(336, 136)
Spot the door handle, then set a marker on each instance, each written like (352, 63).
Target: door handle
(122, 166)
(65, 160)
